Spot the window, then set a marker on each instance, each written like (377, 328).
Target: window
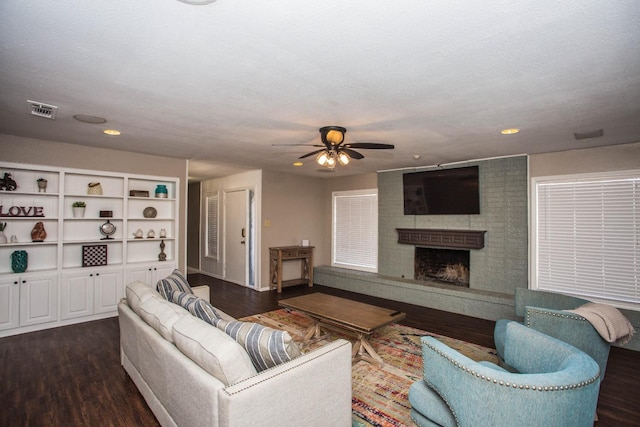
(355, 230)
(586, 234)
(212, 226)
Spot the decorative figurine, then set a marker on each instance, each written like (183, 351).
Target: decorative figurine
(3, 238)
(38, 234)
(151, 234)
(138, 234)
(7, 183)
(163, 233)
(162, 256)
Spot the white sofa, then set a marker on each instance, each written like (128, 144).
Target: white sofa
(311, 390)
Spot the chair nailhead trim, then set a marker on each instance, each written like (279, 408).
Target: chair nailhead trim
(562, 315)
(502, 383)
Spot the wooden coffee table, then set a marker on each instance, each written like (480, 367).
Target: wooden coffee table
(359, 319)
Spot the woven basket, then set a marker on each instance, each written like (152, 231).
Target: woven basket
(95, 189)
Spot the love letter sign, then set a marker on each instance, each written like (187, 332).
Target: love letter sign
(35, 211)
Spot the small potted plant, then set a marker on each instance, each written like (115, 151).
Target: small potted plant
(42, 185)
(78, 209)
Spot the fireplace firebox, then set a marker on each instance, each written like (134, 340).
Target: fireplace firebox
(445, 265)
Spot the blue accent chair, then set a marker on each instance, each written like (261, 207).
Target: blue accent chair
(556, 385)
(543, 311)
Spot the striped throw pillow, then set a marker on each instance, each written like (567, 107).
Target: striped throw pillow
(266, 347)
(174, 282)
(197, 306)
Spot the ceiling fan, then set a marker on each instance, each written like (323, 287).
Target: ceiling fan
(335, 150)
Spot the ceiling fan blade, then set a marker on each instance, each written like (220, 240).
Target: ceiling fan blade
(297, 145)
(353, 154)
(311, 154)
(370, 146)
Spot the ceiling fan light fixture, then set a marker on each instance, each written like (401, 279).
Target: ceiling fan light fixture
(322, 158)
(331, 159)
(335, 137)
(332, 135)
(343, 158)
(327, 159)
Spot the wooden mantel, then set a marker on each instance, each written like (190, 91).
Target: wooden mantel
(453, 239)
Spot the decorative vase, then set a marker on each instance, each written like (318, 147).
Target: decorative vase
(78, 212)
(161, 191)
(3, 238)
(19, 260)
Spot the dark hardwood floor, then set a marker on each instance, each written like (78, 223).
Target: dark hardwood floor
(71, 376)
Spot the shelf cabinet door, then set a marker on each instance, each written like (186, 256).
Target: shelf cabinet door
(76, 295)
(38, 299)
(108, 290)
(9, 303)
(150, 274)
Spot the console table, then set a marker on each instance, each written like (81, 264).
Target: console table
(287, 253)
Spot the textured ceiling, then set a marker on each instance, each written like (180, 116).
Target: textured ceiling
(220, 84)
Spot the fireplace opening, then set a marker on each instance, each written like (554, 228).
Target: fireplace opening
(446, 265)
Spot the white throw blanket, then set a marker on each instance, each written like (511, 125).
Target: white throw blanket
(610, 323)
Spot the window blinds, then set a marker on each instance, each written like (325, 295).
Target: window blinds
(212, 226)
(355, 230)
(588, 237)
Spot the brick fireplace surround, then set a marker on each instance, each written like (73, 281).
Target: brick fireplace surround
(496, 269)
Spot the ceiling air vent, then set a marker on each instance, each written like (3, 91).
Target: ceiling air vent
(42, 110)
(588, 135)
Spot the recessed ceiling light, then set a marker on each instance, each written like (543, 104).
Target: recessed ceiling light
(197, 2)
(111, 132)
(511, 131)
(86, 118)
(298, 164)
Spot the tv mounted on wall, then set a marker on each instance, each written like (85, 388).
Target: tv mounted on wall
(442, 192)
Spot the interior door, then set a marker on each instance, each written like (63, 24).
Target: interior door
(236, 234)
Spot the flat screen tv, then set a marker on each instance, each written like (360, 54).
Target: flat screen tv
(442, 192)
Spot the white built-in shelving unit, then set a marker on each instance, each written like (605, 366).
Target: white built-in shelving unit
(56, 289)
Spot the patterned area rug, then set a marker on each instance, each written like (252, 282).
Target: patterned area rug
(380, 395)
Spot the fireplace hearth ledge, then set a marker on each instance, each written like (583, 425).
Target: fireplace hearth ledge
(455, 299)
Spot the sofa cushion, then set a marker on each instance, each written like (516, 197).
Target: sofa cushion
(213, 350)
(197, 306)
(161, 315)
(137, 293)
(266, 347)
(176, 281)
